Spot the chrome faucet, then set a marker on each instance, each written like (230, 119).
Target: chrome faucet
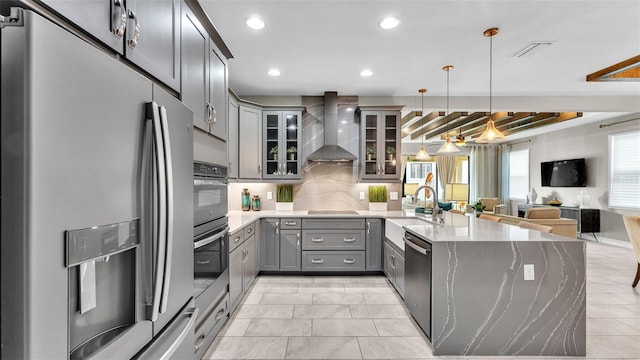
(436, 209)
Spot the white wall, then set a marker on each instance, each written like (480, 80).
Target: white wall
(591, 142)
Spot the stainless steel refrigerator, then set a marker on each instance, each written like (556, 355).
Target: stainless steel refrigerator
(96, 203)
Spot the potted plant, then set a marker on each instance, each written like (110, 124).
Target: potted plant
(284, 197)
(390, 152)
(274, 153)
(478, 208)
(377, 198)
(292, 150)
(370, 153)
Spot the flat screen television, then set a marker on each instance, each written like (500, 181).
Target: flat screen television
(564, 173)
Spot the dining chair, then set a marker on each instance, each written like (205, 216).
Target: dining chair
(532, 226)
(490, 217)
(454, 211)
(632, 224)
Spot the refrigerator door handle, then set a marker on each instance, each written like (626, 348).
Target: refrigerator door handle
(169, 209)
(193, 315)
(160, 232)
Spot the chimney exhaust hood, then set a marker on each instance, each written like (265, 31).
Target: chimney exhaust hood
(331, 151)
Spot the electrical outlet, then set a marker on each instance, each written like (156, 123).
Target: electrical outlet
(529, 273)
(361, 195)
(393, 195)
(269, 195)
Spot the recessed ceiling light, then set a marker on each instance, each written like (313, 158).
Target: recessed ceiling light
(349, 109)
(274, 72)
(366, 73)
(389, 23)
(255, 23)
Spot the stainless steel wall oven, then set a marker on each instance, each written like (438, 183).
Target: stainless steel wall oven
(211, 251)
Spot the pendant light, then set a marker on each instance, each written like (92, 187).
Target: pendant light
(422, 153)
(448, 147)
(490, 134)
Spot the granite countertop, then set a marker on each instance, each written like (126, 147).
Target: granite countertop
(458, 227)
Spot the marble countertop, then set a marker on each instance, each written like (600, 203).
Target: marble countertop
(458, 227)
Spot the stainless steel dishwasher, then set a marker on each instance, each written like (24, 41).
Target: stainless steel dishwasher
(417, 292)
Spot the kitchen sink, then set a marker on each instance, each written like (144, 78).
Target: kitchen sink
(393, 227)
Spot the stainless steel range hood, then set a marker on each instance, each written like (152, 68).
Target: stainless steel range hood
(331, 151)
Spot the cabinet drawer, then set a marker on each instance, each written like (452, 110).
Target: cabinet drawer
(207, 262)
(236, 239)
(333, 224)
(249, 230)
(212, 320)
(333, 260)
(290, 223)
(333, 240)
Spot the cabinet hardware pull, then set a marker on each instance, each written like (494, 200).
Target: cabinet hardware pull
(119, 30)
(317, 239)
(236, 239)
(349, 261)
(291, 223)
(317, 261)
(368, 227)
(133, 42)
(200, 341)
(259, 168)
(277, 227)
(349, 239)
(298, 237)
(219, 314)
(203, 262)
(215, 114)
(250, 230)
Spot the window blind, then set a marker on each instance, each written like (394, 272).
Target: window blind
(519, 174)
(624, 170)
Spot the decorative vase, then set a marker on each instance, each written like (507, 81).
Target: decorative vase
(584, 199)
(532, 196)
(284, 206)
(246, 200)
(477, 213)
(369, 157)
(292, 156)
(255, 203)
(377, 206)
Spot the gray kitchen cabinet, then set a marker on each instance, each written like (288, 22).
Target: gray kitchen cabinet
(373, 239)
(147, 33)
(242, 263)
(380, 148)
(217, 92)
(282, 144)
(394, 266)
(333, 261)
(331, 244)
(270, 245)
(249, 143)
(232, 140)
(290, 250)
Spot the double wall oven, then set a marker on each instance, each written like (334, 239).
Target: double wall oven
(211, 250)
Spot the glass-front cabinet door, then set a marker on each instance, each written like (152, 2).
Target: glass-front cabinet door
(282, 144)
(381, 144)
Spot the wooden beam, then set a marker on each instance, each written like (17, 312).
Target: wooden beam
(435, 124)
(627, 70)
(410, 116)
(421, 122)
(564, 116)
(500, 120)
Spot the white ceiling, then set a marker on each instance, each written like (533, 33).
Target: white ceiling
(323, 45)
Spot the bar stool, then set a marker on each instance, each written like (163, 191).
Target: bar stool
(490, 217)
(632, 224)
(532, 226)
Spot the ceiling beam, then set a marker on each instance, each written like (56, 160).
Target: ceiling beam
(410, 116)
(627, 70)
(564, 116)
(436, 124)
(421, 122)
(518, 119)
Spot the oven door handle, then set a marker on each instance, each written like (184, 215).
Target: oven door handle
(210, 239)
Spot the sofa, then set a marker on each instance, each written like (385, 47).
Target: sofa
(493, 205)
(561, 226)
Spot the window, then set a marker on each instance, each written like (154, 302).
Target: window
(518, 174)
(416, 174)
(624, 170)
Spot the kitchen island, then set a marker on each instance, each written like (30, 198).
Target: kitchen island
(481, 303)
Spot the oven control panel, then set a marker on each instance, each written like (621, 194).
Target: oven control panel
(209, 170)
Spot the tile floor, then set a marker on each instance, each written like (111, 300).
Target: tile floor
(332, 317)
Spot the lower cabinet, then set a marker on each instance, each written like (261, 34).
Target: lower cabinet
(373, 239)
(270, 245)
(290, 250)
(394, 266)
(333, 260)
(242, 267)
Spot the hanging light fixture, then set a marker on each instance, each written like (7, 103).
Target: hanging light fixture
(448, 147)
(422, 153)
(490, 134)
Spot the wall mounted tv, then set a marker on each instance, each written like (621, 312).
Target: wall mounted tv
(564, 173)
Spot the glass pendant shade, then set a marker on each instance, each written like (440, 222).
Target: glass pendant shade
(490, 134)
(422, 154)
(448, 147)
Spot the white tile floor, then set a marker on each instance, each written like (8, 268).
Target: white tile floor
(330, 317)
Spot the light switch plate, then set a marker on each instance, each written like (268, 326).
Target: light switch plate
(529, 273)
(393, 195)
(269, 195)
(361, 195)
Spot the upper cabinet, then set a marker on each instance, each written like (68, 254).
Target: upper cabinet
(282, 140)
(249, 143)
(380, 149)
(233, 111)
(146, 32)
(204, 78)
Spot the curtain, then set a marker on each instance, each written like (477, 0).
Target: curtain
(446, 171)
(483, 174)
(503, 175)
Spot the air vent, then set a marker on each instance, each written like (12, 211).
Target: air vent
(533, 48)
